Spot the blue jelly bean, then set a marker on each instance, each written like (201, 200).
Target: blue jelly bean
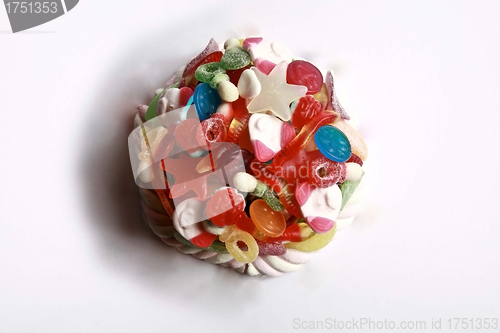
(206, 100)
(333, 143)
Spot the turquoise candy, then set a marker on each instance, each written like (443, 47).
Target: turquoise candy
(205, 73)
(206, 100)
(235, 58)
(333, 143)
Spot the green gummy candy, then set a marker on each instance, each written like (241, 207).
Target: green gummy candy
(151, 112)
(264, 191)
(218, 78)
(205, 73)
(347, 188)
(216, 246)
(235, 58)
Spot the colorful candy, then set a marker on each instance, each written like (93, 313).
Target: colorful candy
(245, 182)
(232, 236)
(348, 188)
(270, 222)
(325, 173)
(248, 84)
(206, 100)
(333, 102)
(314, 243)
(276, 94)
(205, 73)
(260, 48)
(223, 205)
(356, 141)
(268, 134)
(320, 206)
(213, 129)
(333, 143)
(304, 73)
(235, 58)
(306, 108)
(187, 221)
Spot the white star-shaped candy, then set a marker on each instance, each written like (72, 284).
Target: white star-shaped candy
(276, 95)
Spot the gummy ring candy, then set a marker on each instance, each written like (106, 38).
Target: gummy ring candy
(231, 236)
(213, 129)
(325, 173)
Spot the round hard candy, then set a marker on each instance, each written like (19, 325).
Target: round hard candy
(332, 143)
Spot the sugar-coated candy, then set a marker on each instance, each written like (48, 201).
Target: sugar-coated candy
(325, 173)
(248, 84)
(347, 188)
(206, 72)
(271, 249)
(231, 236)
(333, 143)
(270, 222)
(213, 129)
(186, 136)
(206, 100)
(211, 53)
(306, 108)
(245, 182)
(276, 94)
(320, 206)
(228, 92)
(333, 102)
(304, 73)
(235, 58)
(223, 205)
(187, 221)
(358, 145)
(314, 243)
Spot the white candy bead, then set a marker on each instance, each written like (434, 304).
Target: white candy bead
(231, 43)
(249, 85)
(354, 171)
(244, 182)
(228, 91)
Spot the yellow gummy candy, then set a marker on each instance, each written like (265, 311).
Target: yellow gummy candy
(314, 243)
(231, 236)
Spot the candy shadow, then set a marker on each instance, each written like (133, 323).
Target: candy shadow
(124, 244)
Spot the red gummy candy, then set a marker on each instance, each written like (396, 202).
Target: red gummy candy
(224, 206)
(324, 172)
(213, 129)
(307, 107)
(304, 73)
(186, 135)
(271, 249)
(185, 94)
(239, 122)
(355, 159)
(235, 74)
(187, 76)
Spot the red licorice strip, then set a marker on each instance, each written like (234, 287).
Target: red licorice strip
(239, 122)
(301, 140)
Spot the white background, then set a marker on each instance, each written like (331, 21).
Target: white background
(423, 78)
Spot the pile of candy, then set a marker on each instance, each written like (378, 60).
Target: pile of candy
(294, 179)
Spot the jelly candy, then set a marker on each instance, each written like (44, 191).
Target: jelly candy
(186, 176)
(185, 136)
(333, 143)
(206, 100)
(304, 73)
(206, 72)
(239, 122)
(187, 221)
(301, 140)
(235, 74)
(314, 243)
(355, 159)
(333, 102)
(217, 80)
(265, 66)
(245, 182)
(223, 205)
(320, 206)
(276, 94)
(306, 108)
(211, 53)
(322, 97)
(348, 188)
(235, 58)
(231, 236)
(213, 129)
(185, 94)
(271, 249)
(270, 222)
(325, 173)
(358, 145)
(279, 185)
